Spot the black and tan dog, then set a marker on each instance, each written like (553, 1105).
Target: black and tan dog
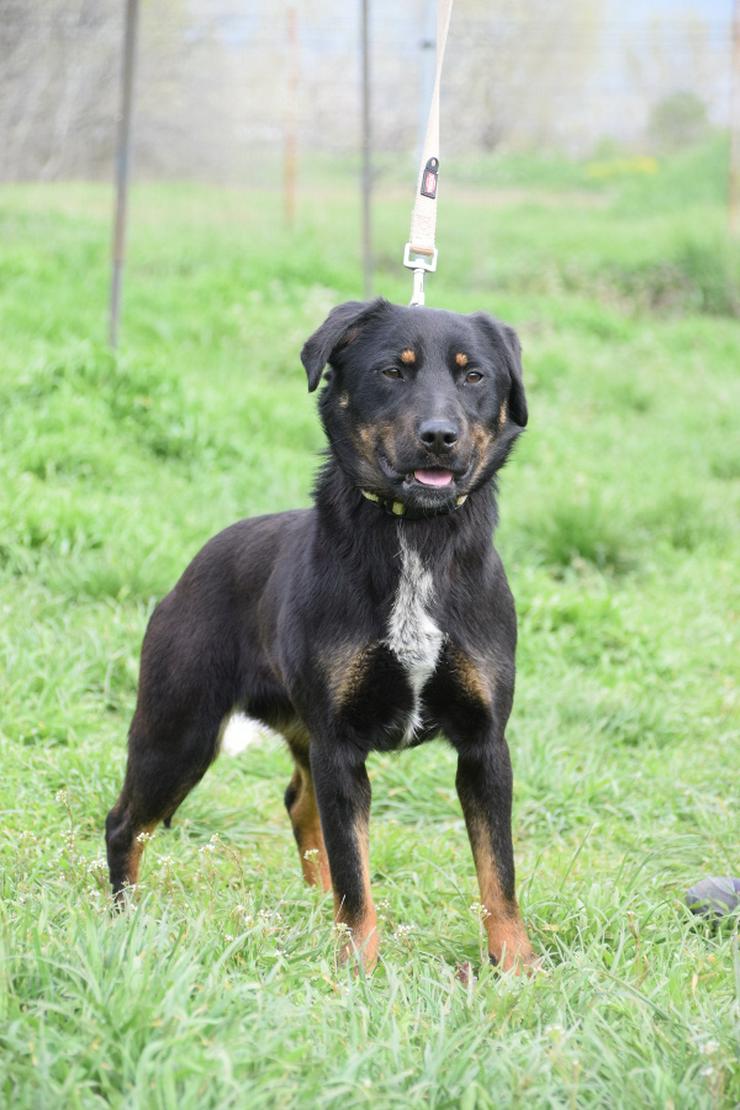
(373, 621)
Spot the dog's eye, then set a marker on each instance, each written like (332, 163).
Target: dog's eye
(473, 377)
(393, 373)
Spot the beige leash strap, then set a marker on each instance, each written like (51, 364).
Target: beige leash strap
(420, 253)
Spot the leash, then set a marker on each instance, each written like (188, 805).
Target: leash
(420, 253)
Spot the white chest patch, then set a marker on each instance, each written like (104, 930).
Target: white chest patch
(413, 636)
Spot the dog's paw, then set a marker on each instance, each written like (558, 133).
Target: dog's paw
(521, 961)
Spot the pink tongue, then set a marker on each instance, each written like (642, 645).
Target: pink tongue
(433, 477)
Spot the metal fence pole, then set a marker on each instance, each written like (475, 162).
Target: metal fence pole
(733, 198)
(290, 139)
(367, 183)
(123, 164)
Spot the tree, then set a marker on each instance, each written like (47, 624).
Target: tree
(677, 120)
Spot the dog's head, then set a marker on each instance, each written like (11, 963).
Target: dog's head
(421, 405)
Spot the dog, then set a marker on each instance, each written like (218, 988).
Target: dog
(374, 621)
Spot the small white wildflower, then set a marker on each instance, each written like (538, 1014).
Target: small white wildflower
(709, 1048)
(479, 910)
(311, 854)
(270, 916)
(143, 837)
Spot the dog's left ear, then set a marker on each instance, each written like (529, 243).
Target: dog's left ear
(341, 326)
(506, 344)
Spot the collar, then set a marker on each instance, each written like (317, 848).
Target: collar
(397, 508)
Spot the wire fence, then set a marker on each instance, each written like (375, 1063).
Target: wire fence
(222, 86)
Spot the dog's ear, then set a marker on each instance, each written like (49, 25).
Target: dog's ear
(341, 326)
(506, 343)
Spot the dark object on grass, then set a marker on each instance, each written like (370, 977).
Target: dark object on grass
(373, 621)
(716, 897)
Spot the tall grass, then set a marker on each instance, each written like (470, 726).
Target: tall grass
(219, 986)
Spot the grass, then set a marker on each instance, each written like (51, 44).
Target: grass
(220, 987)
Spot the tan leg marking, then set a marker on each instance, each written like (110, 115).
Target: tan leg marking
(363, 940)
(508, 942)
(471, 676)
(304, 815)
(136, 852)
(345, 671)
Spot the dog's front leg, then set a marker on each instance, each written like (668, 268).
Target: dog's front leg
(484, 785)
(343, 794)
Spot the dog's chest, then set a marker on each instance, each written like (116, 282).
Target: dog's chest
(413, 635)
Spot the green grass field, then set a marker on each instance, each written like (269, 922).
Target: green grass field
(220, 988)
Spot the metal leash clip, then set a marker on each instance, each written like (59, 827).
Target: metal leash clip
(421, 262)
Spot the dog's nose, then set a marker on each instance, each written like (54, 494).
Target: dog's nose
(438, 435)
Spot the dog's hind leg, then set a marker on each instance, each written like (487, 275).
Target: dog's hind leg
(303, 810)
(187, 687)
(163, 767)
(300, 802)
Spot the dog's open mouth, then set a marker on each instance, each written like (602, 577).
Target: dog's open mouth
(437, 479)
(433, 482)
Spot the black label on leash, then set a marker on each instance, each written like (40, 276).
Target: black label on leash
(429, 179)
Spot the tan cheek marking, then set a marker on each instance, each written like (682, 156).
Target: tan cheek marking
(408, 357)
(482, 440)
(363, 439)
(369, 436)
(502, 415)
(461, 359)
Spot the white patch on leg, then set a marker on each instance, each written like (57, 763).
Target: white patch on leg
(413, 636)
(241, 732)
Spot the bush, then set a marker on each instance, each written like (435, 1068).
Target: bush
(678, 120)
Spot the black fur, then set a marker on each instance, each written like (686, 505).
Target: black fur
(285, 617)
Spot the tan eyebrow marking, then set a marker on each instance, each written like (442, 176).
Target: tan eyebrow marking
(408, 356)
(461, 359)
